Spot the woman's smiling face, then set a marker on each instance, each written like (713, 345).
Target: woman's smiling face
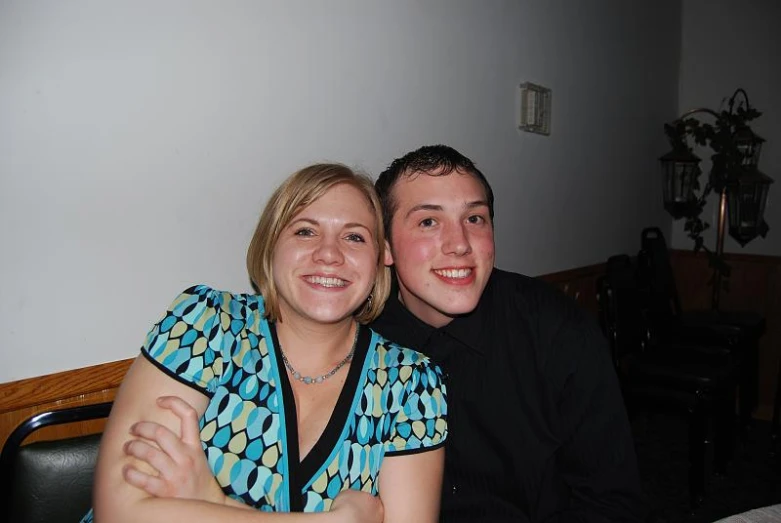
(325, 261)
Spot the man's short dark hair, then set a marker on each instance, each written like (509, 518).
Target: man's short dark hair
(426, 160)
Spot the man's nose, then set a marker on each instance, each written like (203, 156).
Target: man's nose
(456, 240)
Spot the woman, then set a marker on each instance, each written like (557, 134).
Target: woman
(298, 403)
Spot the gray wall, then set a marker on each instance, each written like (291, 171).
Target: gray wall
(139, 140)
(728, 44)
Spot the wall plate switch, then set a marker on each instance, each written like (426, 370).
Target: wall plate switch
(535, 108)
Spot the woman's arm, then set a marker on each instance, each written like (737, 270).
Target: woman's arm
(136, 400)
(410, 479)
(117, 501)
(178, 460)
(410, 486)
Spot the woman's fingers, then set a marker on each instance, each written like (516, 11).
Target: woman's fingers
(181, 468)
(151, 484)
(191, 432)
(181, 477)
(166, 439)
(154, 457)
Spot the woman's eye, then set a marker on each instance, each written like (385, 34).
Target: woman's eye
(428, 222)
(355, 237)
(304, 231)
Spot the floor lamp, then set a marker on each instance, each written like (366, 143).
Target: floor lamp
(734, 175)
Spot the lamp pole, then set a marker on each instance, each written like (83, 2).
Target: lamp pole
(719, 247)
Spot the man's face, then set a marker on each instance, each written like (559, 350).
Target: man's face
(442, 244)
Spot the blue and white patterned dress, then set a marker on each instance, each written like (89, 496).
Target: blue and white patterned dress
(393, 402)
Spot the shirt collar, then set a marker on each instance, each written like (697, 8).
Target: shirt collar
(468, 329)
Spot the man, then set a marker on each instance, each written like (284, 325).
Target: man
(538, 430)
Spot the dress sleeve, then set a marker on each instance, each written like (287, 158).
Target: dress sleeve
(421, 421)
(186, 343)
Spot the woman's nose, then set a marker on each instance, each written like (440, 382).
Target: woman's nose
(329, 251)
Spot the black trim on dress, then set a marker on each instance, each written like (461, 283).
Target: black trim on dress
(302, 471)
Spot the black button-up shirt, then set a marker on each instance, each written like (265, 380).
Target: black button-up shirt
(538, 430)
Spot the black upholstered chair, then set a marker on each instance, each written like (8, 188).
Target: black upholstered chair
(736, 331)
(50, 481)
(666, 378)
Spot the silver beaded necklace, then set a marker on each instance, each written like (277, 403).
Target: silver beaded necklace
(320, 379)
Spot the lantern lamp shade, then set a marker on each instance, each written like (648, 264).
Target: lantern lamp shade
(750, 146)
(680, 171)
(746, 201)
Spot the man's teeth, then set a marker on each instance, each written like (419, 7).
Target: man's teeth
(454, 273)
(326, 281)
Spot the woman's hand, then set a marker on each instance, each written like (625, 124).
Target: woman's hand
(358, 507)
(182, 470)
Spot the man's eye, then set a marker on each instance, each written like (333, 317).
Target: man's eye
(355, 237)
(476, 218)
(428, 222)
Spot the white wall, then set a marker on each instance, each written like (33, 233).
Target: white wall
(728, 44)
(139, 140)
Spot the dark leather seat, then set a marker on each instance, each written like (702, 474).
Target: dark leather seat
(50, 481)
(666, 377)
(735, 333)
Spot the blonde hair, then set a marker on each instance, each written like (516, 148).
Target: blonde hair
(297, 192)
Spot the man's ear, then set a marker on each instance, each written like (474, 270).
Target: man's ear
(388, 255)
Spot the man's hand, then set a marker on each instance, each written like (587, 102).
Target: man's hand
(182, 470)
(354, 506)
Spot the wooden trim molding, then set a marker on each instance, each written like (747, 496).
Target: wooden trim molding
(66, 384)
(729, 256)
(575, 274)
(22, 399)
(580, 284)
